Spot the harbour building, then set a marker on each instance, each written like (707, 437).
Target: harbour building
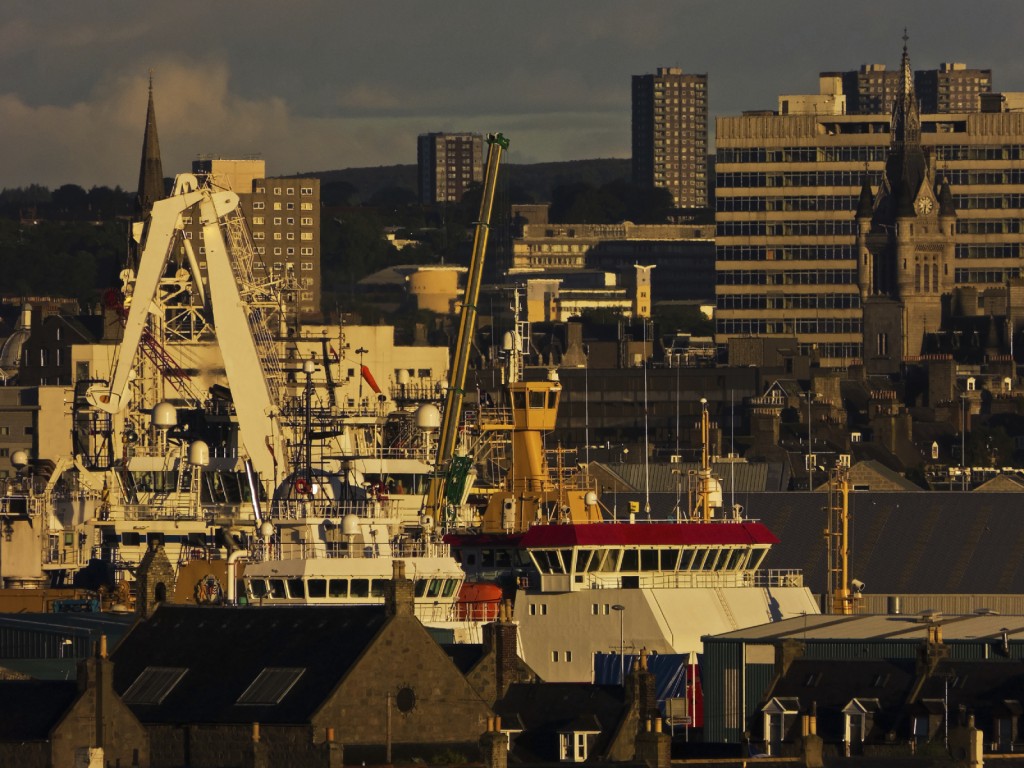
(670, 134)
(788, 187)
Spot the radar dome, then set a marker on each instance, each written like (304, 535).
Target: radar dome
(199, 454)
(403, 376)
(19, 459)
(165, 415)
(428, 416)
(266, 529)
(590, 499)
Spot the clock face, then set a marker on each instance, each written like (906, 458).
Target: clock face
(924, 205)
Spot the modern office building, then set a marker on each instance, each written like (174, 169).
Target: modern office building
(670, 134)
(683, 253)
(448, 163)
(788, 189)
(872, 89)
(284, 218)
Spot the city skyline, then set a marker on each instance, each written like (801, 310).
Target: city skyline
(301, 86)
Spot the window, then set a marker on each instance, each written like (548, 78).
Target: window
(277, 190)
(307, 190)
(306, 236)
(307, 266)
(290, 191)
(305, 206)
(258, 205)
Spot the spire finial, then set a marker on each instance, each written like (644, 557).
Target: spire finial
(905, 39)
(150, 81)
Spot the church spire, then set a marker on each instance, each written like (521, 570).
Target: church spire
(905, 127)
(151, 172)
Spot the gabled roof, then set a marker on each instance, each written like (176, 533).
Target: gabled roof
(543, 710)
(240, 649)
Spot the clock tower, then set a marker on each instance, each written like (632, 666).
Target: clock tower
(905, 243)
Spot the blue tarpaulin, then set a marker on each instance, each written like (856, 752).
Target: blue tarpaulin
(669, 671)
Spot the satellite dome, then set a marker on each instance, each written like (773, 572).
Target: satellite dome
(350, 525)
(165, 415)
(199, 454)
(266, 529)
(590, 499)
(19, 459)
(428, 416)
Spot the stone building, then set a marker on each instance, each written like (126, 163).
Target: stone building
(311, 677)
(62, 723)
(905, 245)
(788, 187)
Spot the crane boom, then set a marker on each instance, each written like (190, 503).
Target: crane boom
(467, 325)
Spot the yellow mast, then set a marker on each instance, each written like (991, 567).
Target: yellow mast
(467, 323)
(840, 597)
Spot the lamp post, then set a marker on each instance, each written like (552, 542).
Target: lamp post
(620, 609)
(361, 351)
(810, 443)
(963, 442)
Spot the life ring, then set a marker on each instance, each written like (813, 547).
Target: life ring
(301, 485)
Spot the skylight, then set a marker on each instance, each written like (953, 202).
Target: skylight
(271, 686)
(153, 685)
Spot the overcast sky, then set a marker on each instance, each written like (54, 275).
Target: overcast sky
(323, 84)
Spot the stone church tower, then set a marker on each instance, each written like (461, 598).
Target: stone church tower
(905, 244)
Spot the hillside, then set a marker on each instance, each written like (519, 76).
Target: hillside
(524, 182)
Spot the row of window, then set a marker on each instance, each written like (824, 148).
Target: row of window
(985, 275)
(789, 301)
(753, 179)
(789, 277)
(661, 559)
(985, 202)
(287, 236)
(803, 155)
(802, 203)
(784, 252)
(287, 190)
(988, 251)
(810, 325)
(314, 588)
(861, 154)
(810, 228)
(988, 226)
(834, 350)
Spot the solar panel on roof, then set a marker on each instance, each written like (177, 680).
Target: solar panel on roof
(153, 685)
(271, 686)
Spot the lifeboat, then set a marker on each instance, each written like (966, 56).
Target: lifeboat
(478, 601)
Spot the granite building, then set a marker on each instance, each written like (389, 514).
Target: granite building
(788, 190)
(670, 134)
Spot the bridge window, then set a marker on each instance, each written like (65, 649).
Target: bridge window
(630, 560)
(338, 588)
(316, 588)
(296, 588)
(359, 588)
(276, 589)
(583, 560)
(686, 562)
(669, 559)
(648, 560)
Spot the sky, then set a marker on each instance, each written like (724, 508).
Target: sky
(313, 85)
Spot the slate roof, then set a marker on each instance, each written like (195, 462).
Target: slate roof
(29, 709)
(543, 710)
(831, 686)
(225, 649)
(901, 542)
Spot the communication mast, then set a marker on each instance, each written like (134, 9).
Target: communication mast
(840, 598)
